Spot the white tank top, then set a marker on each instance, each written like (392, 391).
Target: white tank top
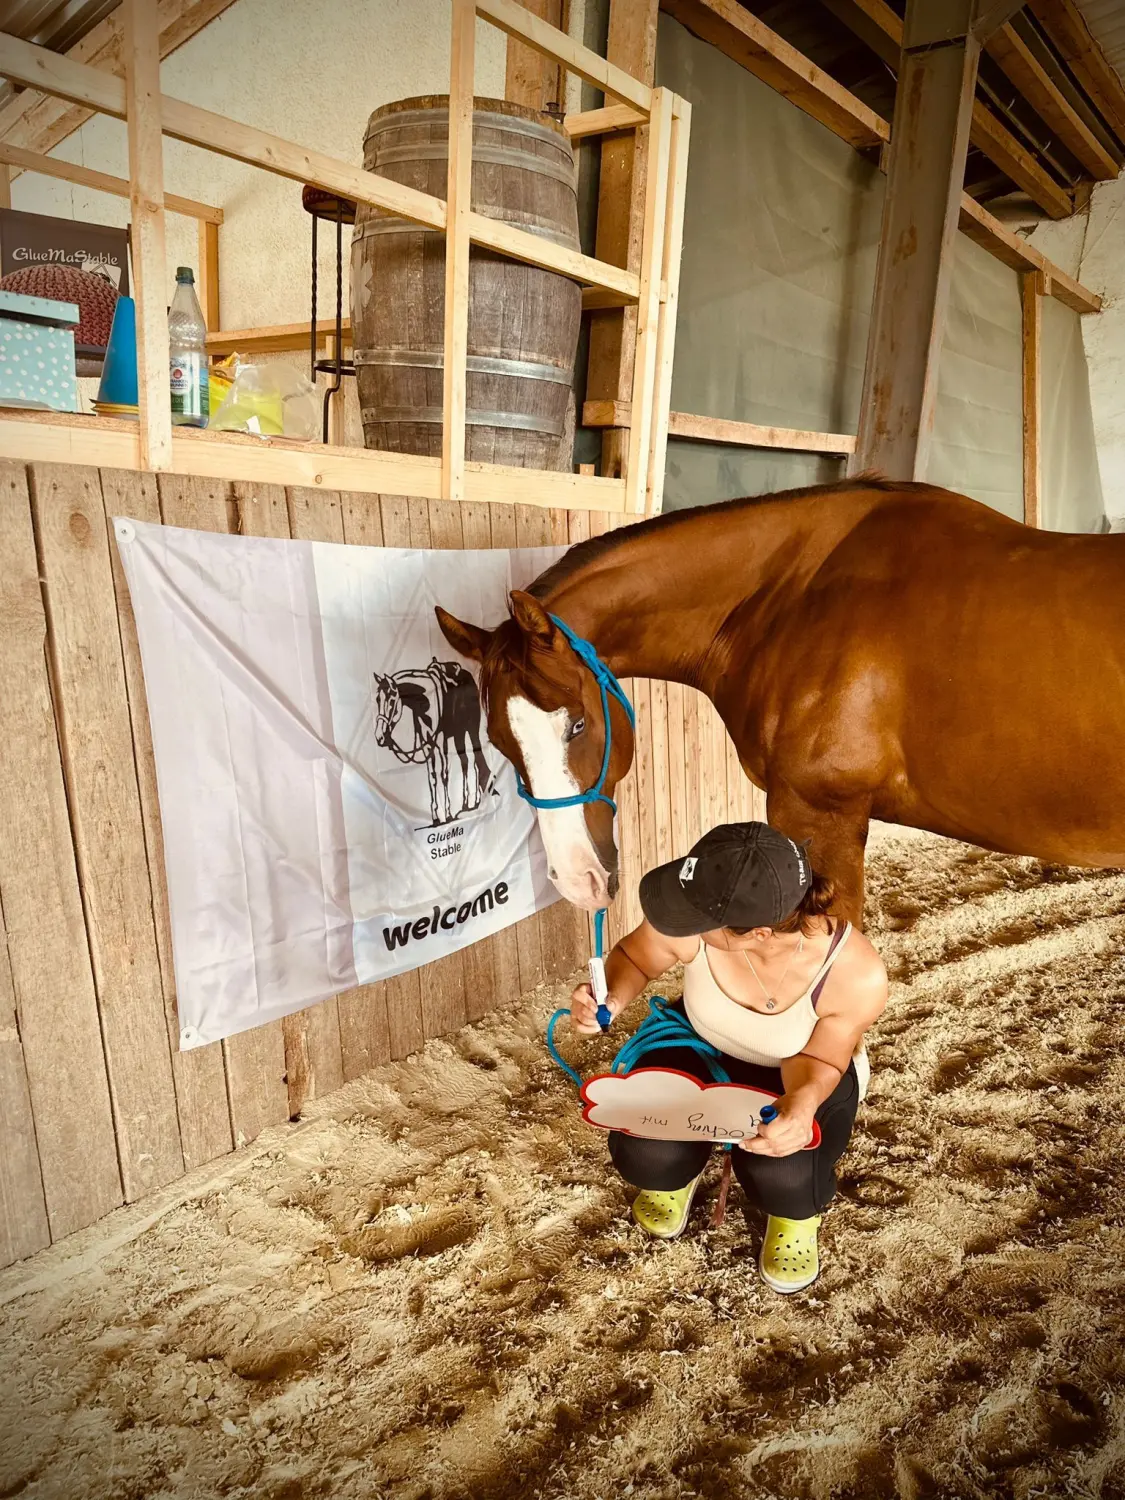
(753, 1035)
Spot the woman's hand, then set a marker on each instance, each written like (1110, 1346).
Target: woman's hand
(790, 1132)
(584, 1010)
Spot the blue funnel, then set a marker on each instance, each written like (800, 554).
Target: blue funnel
(119, 371)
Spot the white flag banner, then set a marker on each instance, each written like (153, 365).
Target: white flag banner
(333, 812)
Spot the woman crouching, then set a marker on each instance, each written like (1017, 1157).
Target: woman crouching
(785, 992)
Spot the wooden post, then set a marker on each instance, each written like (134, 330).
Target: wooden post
(146, 200)
(5, 187)
(457, 249)
(648, 308)
(666, 333)
(530, 78)
(929, 141)
(209, 274)
(631, 45)
(1031, 290)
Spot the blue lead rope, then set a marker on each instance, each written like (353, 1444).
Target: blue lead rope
(661, 1029)
(607, 684)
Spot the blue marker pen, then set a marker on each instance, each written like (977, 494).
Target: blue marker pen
(767, 1114)
(600, 991)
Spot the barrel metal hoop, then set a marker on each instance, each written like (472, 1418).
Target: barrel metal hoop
(475, 364)
(494, 156)
(394, 225)
(431, 416)
(489, 118)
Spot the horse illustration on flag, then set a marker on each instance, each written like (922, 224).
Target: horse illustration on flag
(418, 713)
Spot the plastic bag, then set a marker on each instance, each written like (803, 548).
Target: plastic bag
(272, 400)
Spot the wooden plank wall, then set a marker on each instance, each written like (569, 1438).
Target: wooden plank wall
(97, 1104)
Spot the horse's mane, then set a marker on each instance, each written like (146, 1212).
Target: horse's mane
(597, 546)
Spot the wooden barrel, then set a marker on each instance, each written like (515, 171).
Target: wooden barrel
(523, 322)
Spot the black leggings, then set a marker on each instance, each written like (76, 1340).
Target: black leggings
(792, 1187)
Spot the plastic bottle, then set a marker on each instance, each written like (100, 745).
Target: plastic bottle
(187, 334)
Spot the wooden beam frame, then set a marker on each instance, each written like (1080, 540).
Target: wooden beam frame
(974, 220)
(682, 424)
(603, 121)
(669, 306)
(515, 20)
(146, 206)
(1066, 28)
(149, 114)
(101, 182)
(1031, 289)
(102, 442)
(39, 123)
(1008, 49)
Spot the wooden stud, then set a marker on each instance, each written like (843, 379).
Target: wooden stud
(678, 753)
(95, 735)
(530, 78)
(272, 1069)
(437, 524)
(146, 205)
(209, 274)
(47, 947)
(102, 182)
(721, 430)
(200, 1078)
(361, 1013)
(458, 195)
(5, 186)
(1032, 310)
(254, 1060)
(517, 21)
(666, 326)
(648, 306)
(602, 121)
(929, 142)
(23, 1213)
(492, 971)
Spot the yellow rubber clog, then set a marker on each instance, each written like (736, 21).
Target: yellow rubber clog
(790, 1261)
(665, 1215)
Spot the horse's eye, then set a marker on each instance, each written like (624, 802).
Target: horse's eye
(576, 729)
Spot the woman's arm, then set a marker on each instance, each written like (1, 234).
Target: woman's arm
(641, 955)
(857, 1000)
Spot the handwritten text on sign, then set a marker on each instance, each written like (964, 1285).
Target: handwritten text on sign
(663, 1104)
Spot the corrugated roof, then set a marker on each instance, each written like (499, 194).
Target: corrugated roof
(1106, 20)
(57, 24)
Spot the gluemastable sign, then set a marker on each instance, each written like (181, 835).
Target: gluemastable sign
(333, 811)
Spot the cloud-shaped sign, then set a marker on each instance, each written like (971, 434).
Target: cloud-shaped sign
(664, 1104)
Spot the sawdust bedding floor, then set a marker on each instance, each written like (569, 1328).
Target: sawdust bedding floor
(434, 1290)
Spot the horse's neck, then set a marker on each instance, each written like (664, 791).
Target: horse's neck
(656, 605)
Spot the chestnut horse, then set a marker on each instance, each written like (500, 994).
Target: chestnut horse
(875, 649)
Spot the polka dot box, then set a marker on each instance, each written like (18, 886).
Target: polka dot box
(37, 353)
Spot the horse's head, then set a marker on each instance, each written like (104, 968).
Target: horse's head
(545, 714)
(386, 709)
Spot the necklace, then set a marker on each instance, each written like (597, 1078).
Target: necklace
(771, 1002)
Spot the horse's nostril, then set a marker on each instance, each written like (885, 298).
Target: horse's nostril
(552, 873)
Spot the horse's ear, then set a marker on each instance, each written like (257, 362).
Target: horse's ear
(467, 640)
(530, 616)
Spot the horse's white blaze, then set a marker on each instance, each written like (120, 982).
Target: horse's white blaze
(575, 867)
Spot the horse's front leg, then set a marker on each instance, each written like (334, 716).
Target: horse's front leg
(836, 837)
(441, 755)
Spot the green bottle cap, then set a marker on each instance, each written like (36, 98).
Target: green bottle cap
(185, 273)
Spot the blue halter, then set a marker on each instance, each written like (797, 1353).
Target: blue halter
(607, 684)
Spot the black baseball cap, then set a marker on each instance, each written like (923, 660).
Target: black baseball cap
(738, 875)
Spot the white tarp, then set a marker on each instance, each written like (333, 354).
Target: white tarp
(327, 818)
